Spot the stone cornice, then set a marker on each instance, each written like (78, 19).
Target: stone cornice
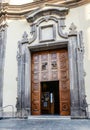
(18, 11)
(60, 11)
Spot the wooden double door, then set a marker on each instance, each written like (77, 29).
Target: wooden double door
(50, 66)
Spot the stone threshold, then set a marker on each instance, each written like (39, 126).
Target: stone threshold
(49, 117)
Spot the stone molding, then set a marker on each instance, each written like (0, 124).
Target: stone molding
(60, 11)
(44, 15)
(18, 11)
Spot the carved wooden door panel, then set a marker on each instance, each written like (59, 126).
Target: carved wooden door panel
(35, 92)
(53, 65)
(64, 83)
(40, 72)
(50, 66)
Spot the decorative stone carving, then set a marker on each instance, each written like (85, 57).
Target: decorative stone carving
(73, 29)
(19, 51)
(46, 19)
(17, 104)
(43, 30)
(60, 11)
(84, 103)
(61, 26)
(46, 15)
(25, 38)
(33, 33)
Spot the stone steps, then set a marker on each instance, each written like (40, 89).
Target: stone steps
(49, 117)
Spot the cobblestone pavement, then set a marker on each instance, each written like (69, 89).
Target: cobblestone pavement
(46, 124)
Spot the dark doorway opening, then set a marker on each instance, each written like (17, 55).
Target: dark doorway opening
(50, 98)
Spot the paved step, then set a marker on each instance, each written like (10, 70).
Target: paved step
(39, 124)
(47, 117)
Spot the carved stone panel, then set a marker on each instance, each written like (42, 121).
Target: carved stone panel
(47, 33)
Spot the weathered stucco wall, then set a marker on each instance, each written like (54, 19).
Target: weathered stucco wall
(80, 16)
(14, 34)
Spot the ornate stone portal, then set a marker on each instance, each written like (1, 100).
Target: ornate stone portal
(47, 32)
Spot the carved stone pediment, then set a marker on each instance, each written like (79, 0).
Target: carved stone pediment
(41, 30)
(33, 15)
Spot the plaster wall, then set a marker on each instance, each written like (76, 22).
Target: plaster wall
(15, 31)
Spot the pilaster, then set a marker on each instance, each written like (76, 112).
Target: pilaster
(76, 50)
(3, 36)
(23, 93)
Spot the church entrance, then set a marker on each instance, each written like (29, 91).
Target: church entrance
(50, 91)
(51, 55)
(50, 98)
